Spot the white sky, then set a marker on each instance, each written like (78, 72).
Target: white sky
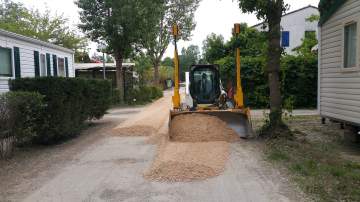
(213, 16)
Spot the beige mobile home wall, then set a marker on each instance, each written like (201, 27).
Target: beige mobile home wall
(339, 90)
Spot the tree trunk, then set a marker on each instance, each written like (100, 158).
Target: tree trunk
(120, 75)
(273, 70)
(156, 72)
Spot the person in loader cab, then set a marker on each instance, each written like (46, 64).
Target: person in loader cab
(205, 86)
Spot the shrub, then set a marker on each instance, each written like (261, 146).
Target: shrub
(143, 94)
(69, 103)
(19, 112)
(6, 119)
(26, 107)
(156, 92)
(115, 96)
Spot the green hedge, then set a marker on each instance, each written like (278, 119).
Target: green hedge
(298, 80)
(19, 112)
(143, 95)
(253, 77)
(69, 102)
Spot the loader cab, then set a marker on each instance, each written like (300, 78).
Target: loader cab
(205, 84)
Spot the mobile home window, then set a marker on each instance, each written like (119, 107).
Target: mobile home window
(61, 67)
(350, 43)
(5, 62)
(42, 65)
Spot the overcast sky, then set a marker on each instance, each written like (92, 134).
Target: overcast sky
(213, 16)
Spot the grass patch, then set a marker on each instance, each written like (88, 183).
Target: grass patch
(318, 169)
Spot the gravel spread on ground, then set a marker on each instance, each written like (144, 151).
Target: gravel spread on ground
(134, 131)
(200, 128)
(188, 161)
(197, 149)
(147, 122)
(160, 136)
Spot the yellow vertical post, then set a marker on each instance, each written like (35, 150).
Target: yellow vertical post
(176, 97)
(239, 96)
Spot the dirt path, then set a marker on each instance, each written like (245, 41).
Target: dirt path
(110, 168)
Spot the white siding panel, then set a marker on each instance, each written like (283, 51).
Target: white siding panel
(332, 41)
(4, 87)
(339, 90)
(332, 45)
(335, 74)
(331, 55)
(341, 95)
(341, 85)
(331, 60)
(348, 92)
(338, 80)
(349, 109)
(334, 33)
(330, 68)
(341, 101)
(331, 50)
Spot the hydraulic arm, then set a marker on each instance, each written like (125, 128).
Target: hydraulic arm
(176, 97)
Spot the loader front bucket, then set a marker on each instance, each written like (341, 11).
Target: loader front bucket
(237, 120)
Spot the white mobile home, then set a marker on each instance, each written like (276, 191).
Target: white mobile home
(339, 62)
(22, 56)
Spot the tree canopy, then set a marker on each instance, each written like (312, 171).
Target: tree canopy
(327, 8)
(189, 56)
(15, 17)
(120, 24)
(172, 12)
(213, 48)
(250, 41)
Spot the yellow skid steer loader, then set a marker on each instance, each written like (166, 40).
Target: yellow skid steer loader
(208, 95)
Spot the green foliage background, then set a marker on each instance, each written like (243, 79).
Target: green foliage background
(298, 73)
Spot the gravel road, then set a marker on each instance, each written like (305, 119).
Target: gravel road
(99, 166)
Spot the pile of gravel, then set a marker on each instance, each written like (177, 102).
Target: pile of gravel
(200, 128)
(197, 149)
(179, 162)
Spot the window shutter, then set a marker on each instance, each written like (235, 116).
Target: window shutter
(17, 62)
(36, 63)
(48, 64)
(67, 66)
(285, 39)
(55, 65)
